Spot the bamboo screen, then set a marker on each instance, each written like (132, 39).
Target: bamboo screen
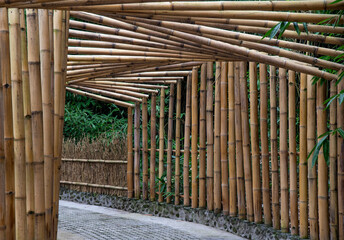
(243, 112)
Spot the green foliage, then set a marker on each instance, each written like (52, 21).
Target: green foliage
(85, 117)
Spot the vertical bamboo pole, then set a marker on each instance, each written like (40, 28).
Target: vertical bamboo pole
(130, 164)
(340, 165)
(231, 143)
(257, 198)
(30, 207)
(274, 153)
(303, 184)
(238, 146)
(186, 164)
(18, 124)
(37, 122)
(292, 155)
(194, 137)
(333, 165)
(210, 138)
(48, 117)
(153, 147)
(324, 232)
(246, 141)
(58, 93)
(2, 170)
(217, 146)
(312, 179)
(202, 137)
(161, 141)
(283, 104)
(145, 149)
(223, 137)
(169, 144)
(177, 160)
(137, 151)
(8, 123)
(265, 143)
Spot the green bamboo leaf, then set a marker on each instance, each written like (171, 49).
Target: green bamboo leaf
(296, 26)
(283, 28)
(305, 27)
(316, 150)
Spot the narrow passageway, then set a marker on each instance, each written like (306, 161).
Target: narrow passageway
(81, 222)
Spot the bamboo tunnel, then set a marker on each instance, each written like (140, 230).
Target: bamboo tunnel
(250, 114)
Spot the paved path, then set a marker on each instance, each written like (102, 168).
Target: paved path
(81, 222)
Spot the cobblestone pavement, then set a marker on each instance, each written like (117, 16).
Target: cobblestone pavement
(83, 222)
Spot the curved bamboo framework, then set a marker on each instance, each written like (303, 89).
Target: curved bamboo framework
(239, 130)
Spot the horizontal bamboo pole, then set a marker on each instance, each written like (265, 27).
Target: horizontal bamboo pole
(158, 74)
(130, 84)
(109, 88)
(100, 98)
(93, 185)
(129, 79)
(94, 161)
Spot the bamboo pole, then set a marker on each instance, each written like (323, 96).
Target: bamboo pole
(194, 137)
(137, 151)
(303, 183)
(312, 179)
(153, 147)
(257, 197)
(238, 146)
(130, 164)
(48, 117)
(161, 142)
(170, 144)
(37, 122)
(210, 137)
(94, 161)
(246, 141)
(145, 149)
(333, 165)
(2, 170)
(324, 232)
(18, 124)
(283, 105)
(294, 222)
(177, 160)
(202, 137)
(30, 207)
(186, 164)
(8, 123)
(231, 143)
(274, 153)
(94, 185)
(223, 137)
(217, 146)
(265, 143)
(340, 165)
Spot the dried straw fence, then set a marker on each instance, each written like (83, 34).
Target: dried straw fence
(236, 143)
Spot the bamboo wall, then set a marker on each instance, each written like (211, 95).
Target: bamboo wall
(247, 130)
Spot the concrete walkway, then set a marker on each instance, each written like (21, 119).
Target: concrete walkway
(81, 222)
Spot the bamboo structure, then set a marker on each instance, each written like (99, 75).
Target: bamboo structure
(210, 137)
(125, 52)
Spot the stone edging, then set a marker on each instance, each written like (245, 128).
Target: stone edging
(202, 216)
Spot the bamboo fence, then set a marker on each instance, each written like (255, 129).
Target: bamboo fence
(242, 112)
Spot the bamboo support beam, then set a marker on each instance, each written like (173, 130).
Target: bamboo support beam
(178, 128)
(202, 137)
(223, 137)
(217, 146)
(194, 138)
(340, 165)
(137, 114)
(257, 197)
(153, 148)
(8, 123)
(210, 137)
(2, 169)
(94, 161)
(186, 164)
(145, 149)
(264, 94)
(170, 144)
(93, 185)
(161, 142)
(130, 164)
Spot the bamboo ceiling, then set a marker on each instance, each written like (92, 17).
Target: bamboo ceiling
(143, 43)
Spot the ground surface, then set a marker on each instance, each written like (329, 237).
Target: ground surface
(81, 222)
